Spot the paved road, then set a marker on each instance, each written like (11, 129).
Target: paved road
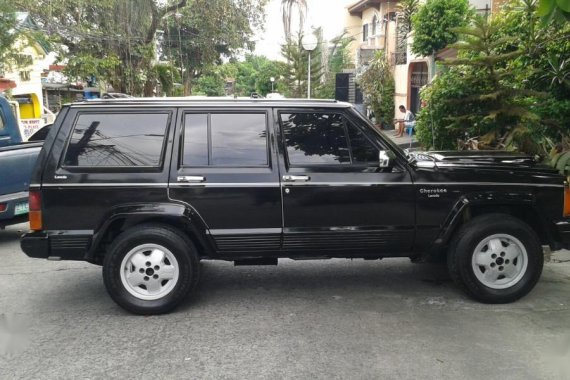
(336, 319)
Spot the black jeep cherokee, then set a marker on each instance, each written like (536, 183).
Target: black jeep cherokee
(149, 187)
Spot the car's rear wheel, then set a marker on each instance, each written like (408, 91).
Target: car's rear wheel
(496, 258)
(150, 269)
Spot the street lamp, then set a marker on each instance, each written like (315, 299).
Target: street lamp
(272, 79)
(309, 44)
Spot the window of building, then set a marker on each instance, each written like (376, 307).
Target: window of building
(225, 139)
(374, 25)
(325, 139)
(365, 32)
(117, 140)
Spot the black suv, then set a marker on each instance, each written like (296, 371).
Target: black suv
(149, 187)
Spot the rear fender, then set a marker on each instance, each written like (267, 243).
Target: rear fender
(126, 216)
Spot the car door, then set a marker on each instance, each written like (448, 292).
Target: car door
(336, 199)
(226, 170)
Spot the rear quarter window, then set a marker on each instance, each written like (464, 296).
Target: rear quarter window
(117, 140)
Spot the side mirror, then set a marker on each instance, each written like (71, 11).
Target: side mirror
(385, 159)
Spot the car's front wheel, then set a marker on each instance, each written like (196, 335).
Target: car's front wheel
(150, 269)
(496, 258)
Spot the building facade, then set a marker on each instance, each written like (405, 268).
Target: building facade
(374, 26)
(26, 75)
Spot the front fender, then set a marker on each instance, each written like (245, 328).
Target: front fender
(125, 216)
(523, 198)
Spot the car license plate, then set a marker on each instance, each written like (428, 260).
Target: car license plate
(21, 208)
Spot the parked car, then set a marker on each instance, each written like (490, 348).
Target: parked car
(17, 160)
(149, 187)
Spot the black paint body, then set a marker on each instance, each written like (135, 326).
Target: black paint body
(410, 209)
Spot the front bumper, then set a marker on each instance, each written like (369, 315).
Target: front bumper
(56, 245)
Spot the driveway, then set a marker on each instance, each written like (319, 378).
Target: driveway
(335, 319)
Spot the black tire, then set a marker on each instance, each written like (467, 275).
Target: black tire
(180, 246)
(466, 240)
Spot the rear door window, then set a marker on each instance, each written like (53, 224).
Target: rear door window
(225, 139)
(117, 140)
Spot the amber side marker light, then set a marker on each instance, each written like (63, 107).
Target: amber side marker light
(566, 212)
(35, 213)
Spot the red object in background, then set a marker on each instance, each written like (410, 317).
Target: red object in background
(6, 84)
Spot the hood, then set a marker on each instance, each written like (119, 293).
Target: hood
(481, 158)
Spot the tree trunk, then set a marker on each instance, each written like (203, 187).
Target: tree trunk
(149, 87)
(188, 82)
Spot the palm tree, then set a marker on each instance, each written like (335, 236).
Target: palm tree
(287, 13)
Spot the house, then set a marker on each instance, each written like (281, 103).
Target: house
(374, 24)
(26, 78)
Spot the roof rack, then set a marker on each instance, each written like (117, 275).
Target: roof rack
(214, 100)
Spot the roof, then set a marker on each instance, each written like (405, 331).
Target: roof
(214, 101)
(24, 21)
(357, 8)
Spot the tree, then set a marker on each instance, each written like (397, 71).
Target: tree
(338, 60)
(297, 62)
(288, 14)
(124, 29)
(558, 10)
(94, 33)
(506, 90)
(434, 22)
(377, 84)
(407, 9)
(8, 32)
(207, 30)
(251, 75)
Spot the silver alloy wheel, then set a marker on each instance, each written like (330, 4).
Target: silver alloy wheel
(149, 271)
(499, 261)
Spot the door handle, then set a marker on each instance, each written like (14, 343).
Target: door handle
(296, 178)
(191, 178)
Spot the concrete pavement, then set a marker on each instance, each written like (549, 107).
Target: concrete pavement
(336, 319)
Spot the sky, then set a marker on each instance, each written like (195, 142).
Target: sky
(328, 14)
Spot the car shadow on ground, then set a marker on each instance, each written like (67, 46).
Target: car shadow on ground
(222, 282)
(10, 235)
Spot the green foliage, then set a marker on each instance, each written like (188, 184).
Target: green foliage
(85, 65)
(338, 60)
(249, 76)
(508, 89)
(205, 31)
(378, 87)
(554, 10)
(209, 85)
(297, 63)
(169, 77)
(434, 22)
(407, 10)
(439, 124)
(14, 33)
(8, 32)
(197, 33)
